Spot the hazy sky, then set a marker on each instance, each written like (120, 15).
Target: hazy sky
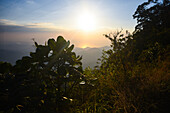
(83, 22)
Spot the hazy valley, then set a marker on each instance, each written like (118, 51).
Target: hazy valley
(12, 52)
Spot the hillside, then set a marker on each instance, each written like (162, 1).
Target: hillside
(90, 55)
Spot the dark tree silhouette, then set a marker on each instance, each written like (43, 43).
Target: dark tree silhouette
(44, 81)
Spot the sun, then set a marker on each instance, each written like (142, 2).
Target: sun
(84, 46)
(86, 21)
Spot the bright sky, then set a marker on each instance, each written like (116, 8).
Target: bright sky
(83, 22)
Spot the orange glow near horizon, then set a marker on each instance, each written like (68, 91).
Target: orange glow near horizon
(84, 46)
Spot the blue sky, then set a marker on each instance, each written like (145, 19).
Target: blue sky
(59, 17)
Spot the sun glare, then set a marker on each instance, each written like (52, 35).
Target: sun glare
(86, 22)
(84, 46)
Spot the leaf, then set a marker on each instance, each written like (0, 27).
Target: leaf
(121, 35)
(80, 68)
(36, 44)
(42, 101)
(65, 98)
(82, 82)
(60, 39)
(67, 44)
(74, 55)
(32, 54)
(70, 48)
(51, 43)
(19, 107)
(79, 58)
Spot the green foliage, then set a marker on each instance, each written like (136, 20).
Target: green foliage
(5, 67)
(43, 81)
(153, 14)
(134, 75)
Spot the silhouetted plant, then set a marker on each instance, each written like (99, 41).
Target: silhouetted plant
(44, 81)
(133, 75)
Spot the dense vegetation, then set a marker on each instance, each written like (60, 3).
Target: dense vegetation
(132, 77)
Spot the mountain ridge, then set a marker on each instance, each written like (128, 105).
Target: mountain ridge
(13, 52)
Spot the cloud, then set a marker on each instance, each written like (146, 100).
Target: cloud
(12, 26)
(41, 25)
(15, 28)
(7, 22)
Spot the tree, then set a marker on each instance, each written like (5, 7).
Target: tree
(153, 24)
(44, 81)
(133, 76)
(153, 14)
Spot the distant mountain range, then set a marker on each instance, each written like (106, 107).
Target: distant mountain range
(13, 52)
(90, 55)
